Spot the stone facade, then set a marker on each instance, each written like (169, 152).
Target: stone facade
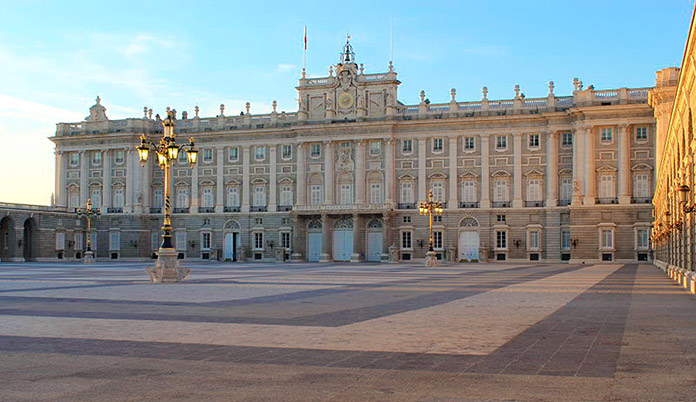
(549, 179)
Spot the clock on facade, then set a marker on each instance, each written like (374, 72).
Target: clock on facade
(345, 100)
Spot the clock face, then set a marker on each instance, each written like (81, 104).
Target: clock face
(345, 100)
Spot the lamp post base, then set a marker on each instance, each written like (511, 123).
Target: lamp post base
(431, 259)
(167, 268)
(89, 257)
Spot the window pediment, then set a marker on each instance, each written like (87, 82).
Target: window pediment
(407, 177)
(607, 169)
(641, 167)
(501, 173)
(534, 173)
(437, 175)
(259, 180)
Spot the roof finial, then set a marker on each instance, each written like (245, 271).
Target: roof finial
(348, 55)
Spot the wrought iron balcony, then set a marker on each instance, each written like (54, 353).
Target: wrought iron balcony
(533, 204)
(231, 209)
(607, 200)
(114, 210)
(206, 210)
(180, 210)
(344, 208)
(500, 204)
(641, 200)
(284, 208)
(258, 208)
(406, 205)
(468, 205)
(155, 210)
(564, 203)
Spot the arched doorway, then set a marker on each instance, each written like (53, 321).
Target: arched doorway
(314, 241)
(231, 241)
(7, 239)
(29, 240)
(343, 240)
(375, 240)
(468, 239)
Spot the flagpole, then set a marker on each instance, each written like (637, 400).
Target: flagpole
(304, 54)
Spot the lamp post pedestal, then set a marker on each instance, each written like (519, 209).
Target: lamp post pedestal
(431, 259)
(167, 268)
(89, 257)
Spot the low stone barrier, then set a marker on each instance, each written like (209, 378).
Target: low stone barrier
(684, 277)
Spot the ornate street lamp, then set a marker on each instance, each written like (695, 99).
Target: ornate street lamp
(167, 267)
(89, 213)
(430, 208)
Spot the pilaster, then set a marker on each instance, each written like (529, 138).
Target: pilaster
(389, 171)
(359, 172)
(517, 171)
(329, 184)
(453, 200)
(106, 180)
(552, 169)
(355, 257)
(220, 180)
(84, 179)
(485, 172)
(195, 199)
(301, 190)
(578, 172)
(624, 144)
(246, 153)
(590, 172)
(421, 169)
(130, 179)
(272, 180)
(324, 256)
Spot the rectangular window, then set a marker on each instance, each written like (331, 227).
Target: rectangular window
(207, 155)
(114, 241)
(205, 241)
(154, 241)
(566, 188)
(315, 151)
(438, 188)
(376, 193)
(406, 146)
(501, 142)
(500, 239)
(534, 240)
(643, 241)
(407, 192)
(180, 240)
(285, 195)
(469, 191)
(565, 240)
(606, 186)
(75, 159)
(182, 157)
(437, 240)
(95, 196)
(60, 241)
(208, 198)
(119, 200)
(607, 238)
(406, 239)
(233, 197)
(469, 144)
(96, 158)
(533, 140)
(407, 219)
(74, 200)
(315, 195)
(285, 239)
(285, 221)
(534, 190)
(437, 144)
(78, 241)
(641, 186)
(437, 218)
(287, 152)
(375, 148)
(258, 221)
(641, 133)
(93, 244)
(233, 154)
(260, 153)
(567, 139)
(346, 195)
(119, 157)
(606, 134)
(182, 198)
(500, 218)
(501, 191)
(259, 196)
(258, 240)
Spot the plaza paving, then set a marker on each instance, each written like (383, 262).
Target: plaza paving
(346, 332)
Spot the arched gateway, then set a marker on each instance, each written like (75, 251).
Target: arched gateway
(468, 239)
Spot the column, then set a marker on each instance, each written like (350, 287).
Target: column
(355, 257)
(324, 256)
(297, 231)
(453, 201)
(219, 181)
(359, 172)
(246, 154)
(130, 187)
(137, 182)
(106, 180)
(421, 169)
(590, 174)
(272, 180)
(389, 171)
(329, 184)
(624, 144)
(552, 169)
(578, 158)
(84, 179)
(59, 194)
(301, 189)
(485, 172)
(195, 200)
(517, 171)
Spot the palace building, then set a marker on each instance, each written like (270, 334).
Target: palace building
(557, 178)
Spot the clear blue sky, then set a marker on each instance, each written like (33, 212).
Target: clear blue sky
(56, 56)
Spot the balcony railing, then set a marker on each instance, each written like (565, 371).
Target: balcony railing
(564, 203)
(607, 200)
(533, 204)
(284, 208)
(181, 210)
(231, 209)
(468, 205)
(114, 210)
(344, 207)
(406, 205)
(641, 200)
(155, 210)
(206, 210)
(500, 204)
(257, 208)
